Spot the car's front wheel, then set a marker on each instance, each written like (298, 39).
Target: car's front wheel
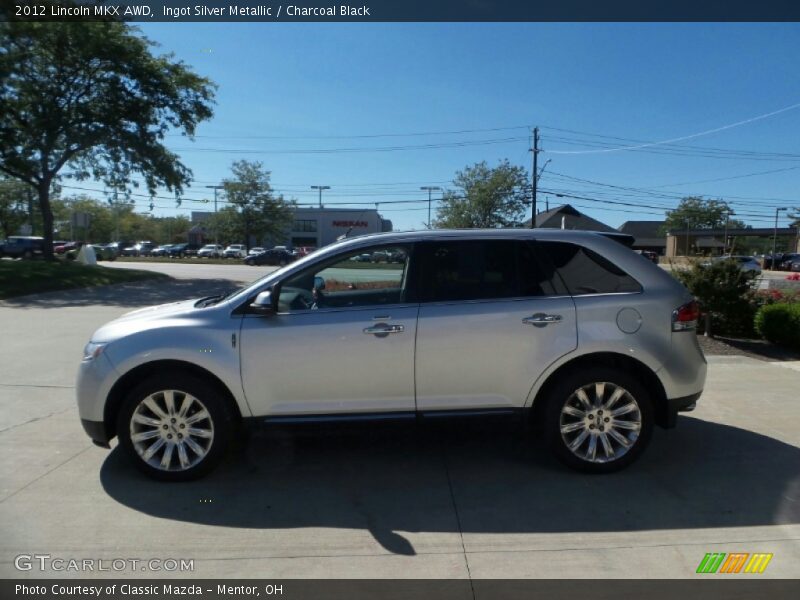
(598, 420)
(175, 428)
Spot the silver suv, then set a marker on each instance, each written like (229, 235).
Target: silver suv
(571, 331)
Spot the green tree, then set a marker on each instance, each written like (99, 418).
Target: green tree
(260, 212)
(13, 209)
(93, 98)
(486, 197)
(101, 218)
(725, 292)
(171, 230)
(701, 213)
(225, 225)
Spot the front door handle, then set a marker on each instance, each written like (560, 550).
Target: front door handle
(382, 329)
(542, 319)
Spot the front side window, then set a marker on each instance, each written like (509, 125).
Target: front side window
(368, 277)
(479, 270)
(586, 272)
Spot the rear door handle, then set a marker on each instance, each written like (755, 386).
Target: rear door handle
(382, 329)
(542, 319)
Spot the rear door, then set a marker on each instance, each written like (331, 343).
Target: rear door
(490, 321)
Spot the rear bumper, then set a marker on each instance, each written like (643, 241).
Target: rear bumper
(676, 405)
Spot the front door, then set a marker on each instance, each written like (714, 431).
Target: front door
(342, 340)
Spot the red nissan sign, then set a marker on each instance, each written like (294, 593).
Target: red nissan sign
(350, 224)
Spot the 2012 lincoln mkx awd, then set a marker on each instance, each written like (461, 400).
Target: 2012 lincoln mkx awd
(571, 331)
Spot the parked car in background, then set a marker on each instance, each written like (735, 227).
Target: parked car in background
(746, 263)
(649, 255)
(787, 260)
(380, 256)
(235, 251)
(139, 249)
(305, 250)
(182, 250)
(256, 250)
(602, 347)
(160, 250)
(101, 252)
(65, 247)
(119, 246)
(23, 246)
(210, 251)
(769, 259)
(270, 257)
(795, 265)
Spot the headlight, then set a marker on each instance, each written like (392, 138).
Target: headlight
(92, 350)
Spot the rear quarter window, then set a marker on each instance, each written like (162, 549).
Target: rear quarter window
(586, 272)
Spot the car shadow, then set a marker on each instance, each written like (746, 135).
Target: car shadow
(133, 295)
(390, 479)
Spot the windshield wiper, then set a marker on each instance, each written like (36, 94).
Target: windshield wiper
(215, 299)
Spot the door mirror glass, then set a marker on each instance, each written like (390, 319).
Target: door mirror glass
(263, 303)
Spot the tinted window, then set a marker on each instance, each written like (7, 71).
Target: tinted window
(479, 270)
(586, 272)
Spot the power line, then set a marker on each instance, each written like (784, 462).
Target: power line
(685, 137)
(358, 149)
(686, 147)
(355, 137)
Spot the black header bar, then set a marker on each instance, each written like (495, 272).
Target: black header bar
(405, 10)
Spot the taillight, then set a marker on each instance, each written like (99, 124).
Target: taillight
(684, 318)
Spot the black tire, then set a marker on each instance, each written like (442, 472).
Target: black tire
(27, 255)
(564, 392)
(221, 419)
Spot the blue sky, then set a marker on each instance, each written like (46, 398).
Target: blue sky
(310, 87)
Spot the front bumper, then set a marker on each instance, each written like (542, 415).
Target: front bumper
(95, 379)
(96, 430)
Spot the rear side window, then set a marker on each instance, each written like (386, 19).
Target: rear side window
(586, 272)
(479, 270)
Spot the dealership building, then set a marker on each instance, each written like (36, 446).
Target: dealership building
(311, 226)
(321, 226)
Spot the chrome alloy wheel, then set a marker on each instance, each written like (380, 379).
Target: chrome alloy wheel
(171, 430)
(600, 422)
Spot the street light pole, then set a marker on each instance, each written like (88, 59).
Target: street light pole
(320, 188)
(775, 238)
(215, 188)
(430, 189)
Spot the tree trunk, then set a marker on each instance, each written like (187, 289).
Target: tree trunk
(47, 219)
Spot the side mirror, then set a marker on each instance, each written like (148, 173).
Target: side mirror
(263, 304)
(319, 283)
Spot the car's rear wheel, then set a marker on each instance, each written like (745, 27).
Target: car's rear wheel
(175, 428)
(598, 420)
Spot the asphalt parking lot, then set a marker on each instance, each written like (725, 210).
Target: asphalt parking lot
(456, 501)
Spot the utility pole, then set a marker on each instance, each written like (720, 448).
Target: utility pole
(215, 188)
(687, 239)
(774, 239)
(430, 189)
(320, 188)
(728, 214)
(534, 175)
